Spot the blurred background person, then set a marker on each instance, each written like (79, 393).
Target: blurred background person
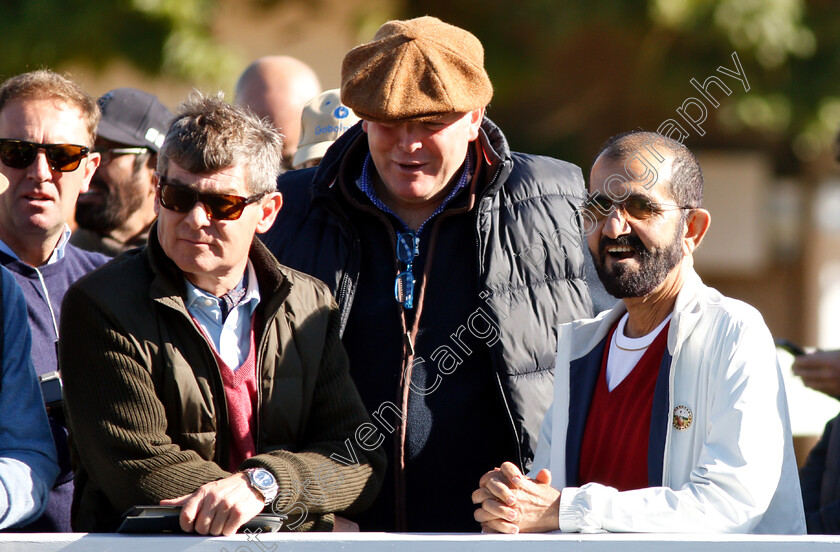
(820, 370)
(118, 209)
(820, 476)
(278, 87)
(820, 482)
(324, 119)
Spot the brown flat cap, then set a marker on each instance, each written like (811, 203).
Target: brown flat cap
(415, 70)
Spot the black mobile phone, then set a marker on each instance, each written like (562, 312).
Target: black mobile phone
(789, 346)
(51, 388)
(165, 519)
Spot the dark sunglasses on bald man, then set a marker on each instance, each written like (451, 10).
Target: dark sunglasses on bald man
(19, 154)
(636, 207)
(181, 199)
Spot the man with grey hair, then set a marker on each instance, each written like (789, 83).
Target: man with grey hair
(201, 373)
(277, 88)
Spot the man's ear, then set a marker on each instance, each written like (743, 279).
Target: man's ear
(91, 164)
(364, 126)
(151, 167)
(270, 206)
(157, 194)
(696, 226)
(476, 116)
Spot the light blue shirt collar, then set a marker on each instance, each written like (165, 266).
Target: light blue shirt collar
(365, 183)
(231, 338)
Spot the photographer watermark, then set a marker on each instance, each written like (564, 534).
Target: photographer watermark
(480, 328)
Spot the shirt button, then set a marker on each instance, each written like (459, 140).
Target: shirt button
(208, 302)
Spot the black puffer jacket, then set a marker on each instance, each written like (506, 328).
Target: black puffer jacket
(530, 258)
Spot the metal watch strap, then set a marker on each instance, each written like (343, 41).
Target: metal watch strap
(269, 493)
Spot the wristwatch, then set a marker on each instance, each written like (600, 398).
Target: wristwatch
(262, 480)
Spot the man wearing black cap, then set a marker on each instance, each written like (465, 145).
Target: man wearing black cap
(118, 209)
(452, 259)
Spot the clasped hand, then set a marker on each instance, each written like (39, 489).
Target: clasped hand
(513, 503)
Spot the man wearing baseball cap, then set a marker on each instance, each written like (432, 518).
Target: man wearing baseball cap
(324, 119)
(118, 209)
(452, 259)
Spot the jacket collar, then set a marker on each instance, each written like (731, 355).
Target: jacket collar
(687, 310)
(168, 283)
(494, 147)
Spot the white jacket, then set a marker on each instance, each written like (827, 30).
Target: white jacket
(732, 470)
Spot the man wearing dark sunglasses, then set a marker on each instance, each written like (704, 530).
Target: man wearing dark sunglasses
(669, 410)
(118, 209)
(198, 372)
(452, 258)
(47, 125)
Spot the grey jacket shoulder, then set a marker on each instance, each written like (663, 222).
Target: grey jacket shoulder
(548, 174)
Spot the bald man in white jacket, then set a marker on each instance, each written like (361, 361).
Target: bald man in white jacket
(711, 448)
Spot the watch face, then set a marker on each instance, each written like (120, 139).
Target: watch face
(263, 478)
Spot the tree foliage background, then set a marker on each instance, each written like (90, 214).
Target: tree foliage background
(567, 74)
(169, 37)
(570, 74)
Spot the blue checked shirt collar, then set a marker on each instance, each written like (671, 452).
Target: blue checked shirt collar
(231, 335)
(365, 183)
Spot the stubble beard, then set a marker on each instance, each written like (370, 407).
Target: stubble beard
(119, 201)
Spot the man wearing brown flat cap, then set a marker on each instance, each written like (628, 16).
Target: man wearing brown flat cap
(452, 259)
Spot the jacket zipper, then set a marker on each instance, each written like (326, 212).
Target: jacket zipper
(343, 295)
(258, 358)
(493, 358)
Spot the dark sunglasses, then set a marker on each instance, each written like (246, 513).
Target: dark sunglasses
(181, 199)
(408, 246)
(596, 208)
(19, 154)
(108, 154)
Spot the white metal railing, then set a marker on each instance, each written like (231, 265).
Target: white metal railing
(401, 542)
